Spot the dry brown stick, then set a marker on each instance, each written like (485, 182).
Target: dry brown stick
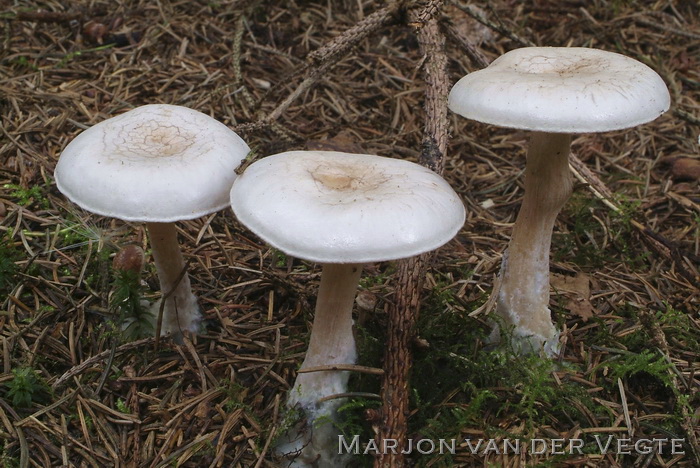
(403, 313)
(237, 74)
(687, 116)
(402, 316)
(238, 82)
(667, 29)
(343, 367)
(475, 55)
(432, 44)
(48, 16)
(341, 45)
(324, 58)
(271, 118)
(80, 368)
(496, 27)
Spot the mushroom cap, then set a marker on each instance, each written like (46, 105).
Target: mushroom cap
(561, 90)
(333, 207)
(156, 163)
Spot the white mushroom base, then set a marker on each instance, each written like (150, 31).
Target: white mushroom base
(522, 311)
(526, 341)
(313, 440)
(181, 311)
(186, 317)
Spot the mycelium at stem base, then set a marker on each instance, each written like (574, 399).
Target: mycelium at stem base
(181, 311)
(523, 299)
(331, 342)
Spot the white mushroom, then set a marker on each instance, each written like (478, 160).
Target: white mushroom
(155, 164)
(554, 92)
(341, 210)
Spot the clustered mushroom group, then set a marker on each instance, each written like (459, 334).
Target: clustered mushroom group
(159, 164)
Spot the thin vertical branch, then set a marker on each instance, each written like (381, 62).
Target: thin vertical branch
(403, 313)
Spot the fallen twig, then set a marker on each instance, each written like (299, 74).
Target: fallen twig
(473, 52)
(343, 367)
(80, 368)
(48, 16)
(322, 59)
(659, 338)
(403, 311)
(496, 27)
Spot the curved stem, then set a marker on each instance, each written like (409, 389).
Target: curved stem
(313, 441)
(332, 340)
(524, 296)
(181, 311)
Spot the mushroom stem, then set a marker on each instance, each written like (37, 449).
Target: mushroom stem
(313, 441)
(332, 340)
(181, 311)
(523, 299)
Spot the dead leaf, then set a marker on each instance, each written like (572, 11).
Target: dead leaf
(227, 323)
(577, 290)
(475, 32)
(202, 410)
(343, 141)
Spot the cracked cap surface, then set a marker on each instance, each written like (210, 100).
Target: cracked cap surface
(156, 163)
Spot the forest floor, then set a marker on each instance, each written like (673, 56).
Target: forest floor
(625, 281)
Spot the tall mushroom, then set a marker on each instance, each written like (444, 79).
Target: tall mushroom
(553, 92)
(341, 210)
(156, 164)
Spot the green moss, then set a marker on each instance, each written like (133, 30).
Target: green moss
(27, 388)
(235, 395)
(8, 269)
(647, 363)
(122, 406)
(586, 236)
(678, 326)
(368, 281)
(32, 196)
(135, 320)
(279, 258)
(7, 458)
(464, 385)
